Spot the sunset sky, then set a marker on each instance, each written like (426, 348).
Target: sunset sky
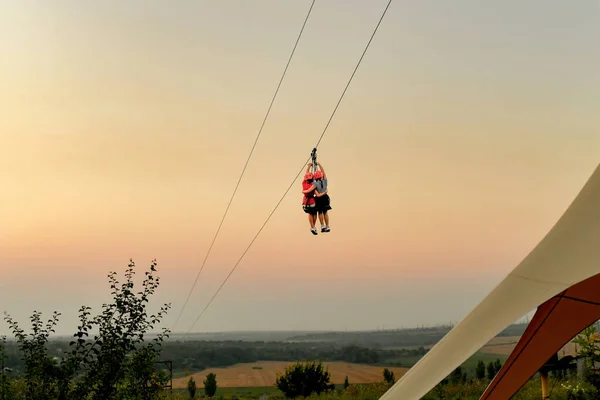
(467, 131)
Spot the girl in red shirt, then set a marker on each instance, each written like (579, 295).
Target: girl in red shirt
(308, 201)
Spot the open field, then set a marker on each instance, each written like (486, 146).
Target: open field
(505, 346)
(498, 341)
(501, 345)
(264, 373)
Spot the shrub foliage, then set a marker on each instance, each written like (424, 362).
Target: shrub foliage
(117, 363)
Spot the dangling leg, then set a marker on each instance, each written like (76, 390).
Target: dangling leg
(326, 208)
(321, 221)
(313, 221)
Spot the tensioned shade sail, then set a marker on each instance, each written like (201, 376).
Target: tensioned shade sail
(568, 254)
(554, 324)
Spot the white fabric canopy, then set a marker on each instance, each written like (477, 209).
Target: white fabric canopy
(568, 254)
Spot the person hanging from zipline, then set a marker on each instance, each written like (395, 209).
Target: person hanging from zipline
(316, 201)
(322, 200)
(308, 201)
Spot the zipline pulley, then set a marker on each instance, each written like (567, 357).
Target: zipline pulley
(313, 155)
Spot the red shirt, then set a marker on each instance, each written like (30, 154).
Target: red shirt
(308, 198)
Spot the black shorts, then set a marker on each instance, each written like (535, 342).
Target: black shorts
(323, 204)
(310, 209)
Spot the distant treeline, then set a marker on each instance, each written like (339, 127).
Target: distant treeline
(199, 355)
(344, 336)
(386, 339)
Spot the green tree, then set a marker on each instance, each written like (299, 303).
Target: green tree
(210, 385)
(346, 383)
(41, 372)
(5, 386)
(497, 366)
(304, 379)
(439, 391)
(480, 370)
(356, 354)
(456, 376)
(588, 343)
(122, 363)
(191, 387)
(491, 370)
(117, 363)
(388, 376)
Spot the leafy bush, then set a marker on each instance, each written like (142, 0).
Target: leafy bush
(388, 376)
(191, 387)
(5, 384)
(210, 385)
(370, 391)
(117, 364)
(304, 379)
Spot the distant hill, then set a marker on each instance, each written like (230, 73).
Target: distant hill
(246, 336)
(391, 338)
(397, 338)
(388, 338)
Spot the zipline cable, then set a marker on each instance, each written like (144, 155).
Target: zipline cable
(247, 161)
(299, 172)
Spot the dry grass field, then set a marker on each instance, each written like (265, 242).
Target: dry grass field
(264, 373)
(505, 345)
(498, 345)
(501, 345)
